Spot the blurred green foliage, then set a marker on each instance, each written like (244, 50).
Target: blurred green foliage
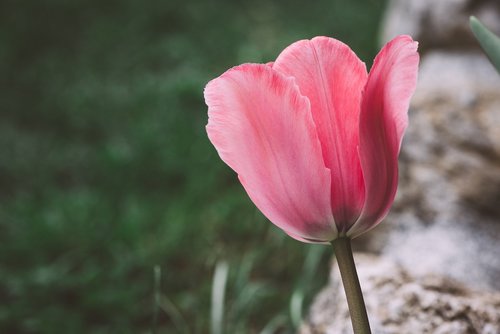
(106, 170)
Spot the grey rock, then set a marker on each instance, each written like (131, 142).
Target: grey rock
(442, 24)
(399, 303)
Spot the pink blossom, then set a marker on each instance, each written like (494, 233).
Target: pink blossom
(313, 137)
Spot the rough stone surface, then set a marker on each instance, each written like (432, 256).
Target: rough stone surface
(446, 217)
(399, 303)
(439, 24)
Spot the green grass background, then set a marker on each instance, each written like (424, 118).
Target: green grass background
(106, 170)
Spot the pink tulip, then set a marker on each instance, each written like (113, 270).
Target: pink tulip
(313, 137)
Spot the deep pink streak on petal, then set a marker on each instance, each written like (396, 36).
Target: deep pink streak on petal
(329, 73)
(262, 128)
(383, 120)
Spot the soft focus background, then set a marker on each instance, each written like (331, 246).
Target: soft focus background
(115, 209)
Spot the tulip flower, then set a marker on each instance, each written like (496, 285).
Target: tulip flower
(314, 138)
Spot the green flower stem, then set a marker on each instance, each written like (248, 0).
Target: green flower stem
(357, 309)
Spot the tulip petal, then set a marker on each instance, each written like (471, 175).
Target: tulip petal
(263, 129)
(383, 120)
(310, 241)
(330, 74)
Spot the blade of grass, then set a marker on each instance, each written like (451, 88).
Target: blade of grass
(296, 303)
(274, 324)
(172, 311)
(218, 291)
(488, 40)
(309, 270)
(157, 296)
(162, 302)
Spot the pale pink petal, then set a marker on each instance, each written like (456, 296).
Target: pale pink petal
(329, 73)
(262, 128)
(310, 241)
(383, 120)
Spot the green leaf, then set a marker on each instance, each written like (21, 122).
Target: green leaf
(488, 40)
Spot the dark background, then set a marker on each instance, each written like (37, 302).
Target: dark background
(106, 170)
